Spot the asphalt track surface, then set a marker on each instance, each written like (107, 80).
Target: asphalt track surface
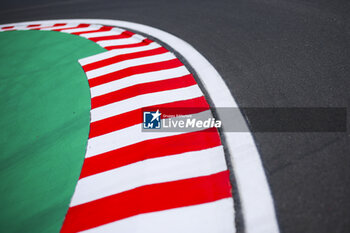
(271, 53)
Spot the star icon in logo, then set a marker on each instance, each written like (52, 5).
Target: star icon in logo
(155, 115)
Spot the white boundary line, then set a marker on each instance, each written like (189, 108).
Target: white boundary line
(256, 200)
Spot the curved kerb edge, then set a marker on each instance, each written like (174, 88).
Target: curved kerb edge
(256, 200)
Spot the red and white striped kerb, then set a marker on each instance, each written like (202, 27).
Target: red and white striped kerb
(134, 181)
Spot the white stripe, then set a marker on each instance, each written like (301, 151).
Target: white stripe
(145, 100)
(138, 79)
(112, 32)
(132, 40)
(151, 171)
(89, 28)
(150, 46)
(129, 63)
(121, 138)
(116, 52)
(131, 135)
(213, 217)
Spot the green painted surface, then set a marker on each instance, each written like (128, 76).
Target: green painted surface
(44, 125)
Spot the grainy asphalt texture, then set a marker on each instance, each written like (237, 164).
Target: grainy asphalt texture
(271, 53)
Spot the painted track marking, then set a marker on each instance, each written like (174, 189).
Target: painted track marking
(189, 177)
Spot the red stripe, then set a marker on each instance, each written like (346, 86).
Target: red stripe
(102, 29)
(153, 148)
(143, 88)
(125, 34)
(134, 70)
(142, 43)
(134, 117)
(146, 199)
(59, 24)
(33, 25)
(123, 57)
(8, 27)
(83, 25)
